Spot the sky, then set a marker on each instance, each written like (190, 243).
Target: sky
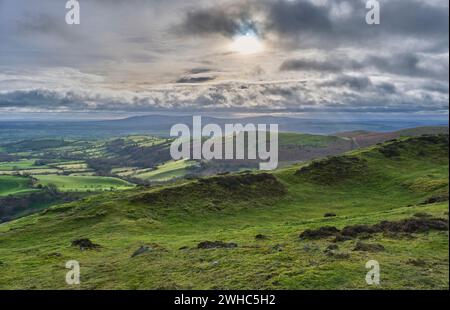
(268, 56)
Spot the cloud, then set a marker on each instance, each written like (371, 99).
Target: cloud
(337, 65)
(303, 24)
(264, 98)
(199, 70)
(295, 17)
(387, 88)
(420, 18)
(76, 91)
(227, 21)
(441, 88)
(140, 55)
(313, 23)
(195, 79)
(45, 24)
(407, 64)
(353, 82)
(403, 64)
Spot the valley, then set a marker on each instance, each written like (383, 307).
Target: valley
(79, 167)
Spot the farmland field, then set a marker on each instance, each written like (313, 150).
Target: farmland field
(30, 171)
(316, 141)
(168, 171)
(10, 185)
(19, 165)
(83, 183)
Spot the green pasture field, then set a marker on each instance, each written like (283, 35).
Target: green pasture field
(83, 183)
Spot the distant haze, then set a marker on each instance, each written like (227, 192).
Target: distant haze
(161, 125)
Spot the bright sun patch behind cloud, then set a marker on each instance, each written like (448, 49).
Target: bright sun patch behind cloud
(247, 44)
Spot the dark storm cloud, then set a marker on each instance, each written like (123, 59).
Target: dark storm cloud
(415, 17)
(403, 64)
(228, 21)
(305, 23)
(42, 98)
(398, 17)
(407, 65)
(361, 85)
(282, 17)
(208, 21)
(329, 65)
(199, 70)
(353, 82)
(437, 87)
(311, 65)
(287, 93)
(293, 17)
(387, 88)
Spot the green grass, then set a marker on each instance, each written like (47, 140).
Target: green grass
(146, 140)
(11, 185)
(236, 209)
(72, 166)
(167, 171)
(317, 141)
(19, 165)
(417, 131)
(31, 172)
(83, 183)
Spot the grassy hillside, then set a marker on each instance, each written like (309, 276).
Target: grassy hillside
(428, 130)
(167, 171)
(270, 227)
(363, 138)
(10, 185)
(305, 140)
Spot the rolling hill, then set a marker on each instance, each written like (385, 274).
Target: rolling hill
(310, 225)
(363, 138)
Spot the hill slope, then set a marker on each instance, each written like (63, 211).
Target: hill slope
(258, 219)
(10, 185)
(366, 139)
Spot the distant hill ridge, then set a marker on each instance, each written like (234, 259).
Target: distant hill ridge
(161, 124)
